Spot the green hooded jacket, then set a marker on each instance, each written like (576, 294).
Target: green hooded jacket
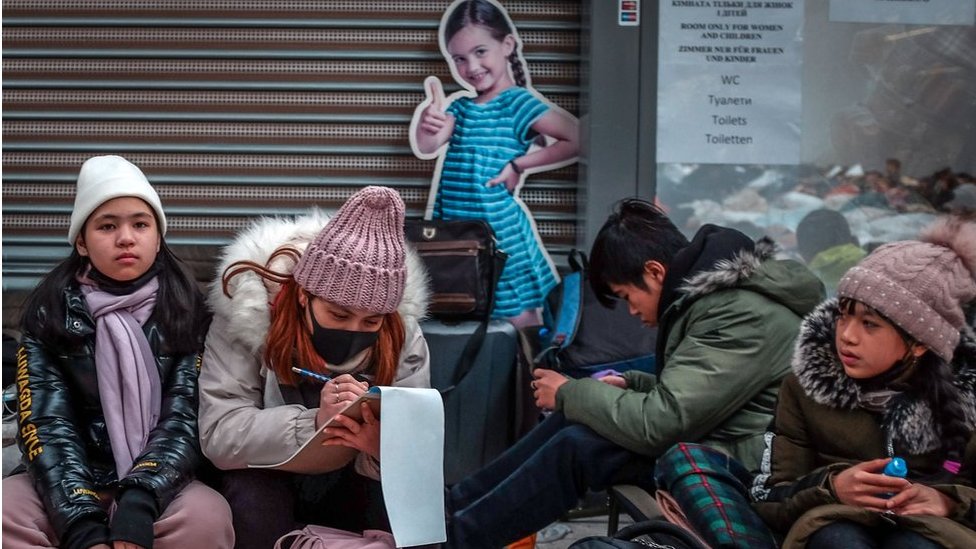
(728, 338)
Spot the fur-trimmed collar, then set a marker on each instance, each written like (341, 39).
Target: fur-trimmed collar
(909, 419)
(248, 310)
(729, 273)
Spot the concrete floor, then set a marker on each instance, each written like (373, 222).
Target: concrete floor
(569, 532)
(578, 529)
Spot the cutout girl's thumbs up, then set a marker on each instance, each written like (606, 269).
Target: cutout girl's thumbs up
(435, 92)
(433, 119)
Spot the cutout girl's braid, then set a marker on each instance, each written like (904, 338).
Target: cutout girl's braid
(518, 71)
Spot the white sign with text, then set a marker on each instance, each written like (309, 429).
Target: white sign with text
(729, 82)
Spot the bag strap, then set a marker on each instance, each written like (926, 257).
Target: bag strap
(477, 339)
(578, 261)
(671, 510)
(297, 539)
(657, 526)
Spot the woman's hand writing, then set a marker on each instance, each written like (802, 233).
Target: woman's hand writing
(862, 485)
(336, 394)
(350, 433)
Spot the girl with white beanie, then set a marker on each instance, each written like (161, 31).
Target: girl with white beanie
(340, 298)
(107, 383)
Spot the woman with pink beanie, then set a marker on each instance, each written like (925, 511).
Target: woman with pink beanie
(340, 298)
(107, 381)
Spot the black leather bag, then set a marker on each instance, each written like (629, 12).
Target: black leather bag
(464, 264)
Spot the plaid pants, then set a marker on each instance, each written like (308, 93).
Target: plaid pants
(713, 492)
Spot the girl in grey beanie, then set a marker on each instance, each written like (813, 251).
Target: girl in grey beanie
(885, 370)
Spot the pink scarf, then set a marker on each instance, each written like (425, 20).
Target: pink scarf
(128, 380)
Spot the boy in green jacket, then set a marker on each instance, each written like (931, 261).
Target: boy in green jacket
(727, 314)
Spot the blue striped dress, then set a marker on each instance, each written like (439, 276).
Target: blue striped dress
(486, 136)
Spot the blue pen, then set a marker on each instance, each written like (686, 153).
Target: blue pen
(311, 374)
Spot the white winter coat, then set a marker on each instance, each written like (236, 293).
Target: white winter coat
(243, 417)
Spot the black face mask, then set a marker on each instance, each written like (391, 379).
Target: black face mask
(338, 346)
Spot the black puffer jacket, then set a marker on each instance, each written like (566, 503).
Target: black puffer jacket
(62, 431)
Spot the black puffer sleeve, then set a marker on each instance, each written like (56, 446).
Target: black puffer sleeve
(172, 453)
(51, 441)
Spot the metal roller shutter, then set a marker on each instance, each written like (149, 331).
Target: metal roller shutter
(240, 108)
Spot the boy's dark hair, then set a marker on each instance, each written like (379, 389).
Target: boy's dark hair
(635, 233)
(181, 308)
(489, 16)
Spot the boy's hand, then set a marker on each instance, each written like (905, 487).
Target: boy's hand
(616, 381)
(544, 387)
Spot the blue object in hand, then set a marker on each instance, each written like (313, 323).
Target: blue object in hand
(895, 468)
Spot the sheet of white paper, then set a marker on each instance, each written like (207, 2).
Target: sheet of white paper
(412, 464)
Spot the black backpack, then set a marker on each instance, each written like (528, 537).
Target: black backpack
(659, 534)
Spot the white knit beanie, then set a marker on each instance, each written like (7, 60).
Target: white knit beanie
(103, 178)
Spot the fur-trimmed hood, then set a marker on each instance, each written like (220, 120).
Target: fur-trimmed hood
(248, 310)
(757, 269)
(723, 263)
(729, 273)
(909, 419)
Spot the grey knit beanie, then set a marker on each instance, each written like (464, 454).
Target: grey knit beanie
(357, 260)
(921, 285)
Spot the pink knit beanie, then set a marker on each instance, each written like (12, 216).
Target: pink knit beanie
(921, 285)
(357, 260)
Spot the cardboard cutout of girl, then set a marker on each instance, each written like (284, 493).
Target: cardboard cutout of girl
(487, 137)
